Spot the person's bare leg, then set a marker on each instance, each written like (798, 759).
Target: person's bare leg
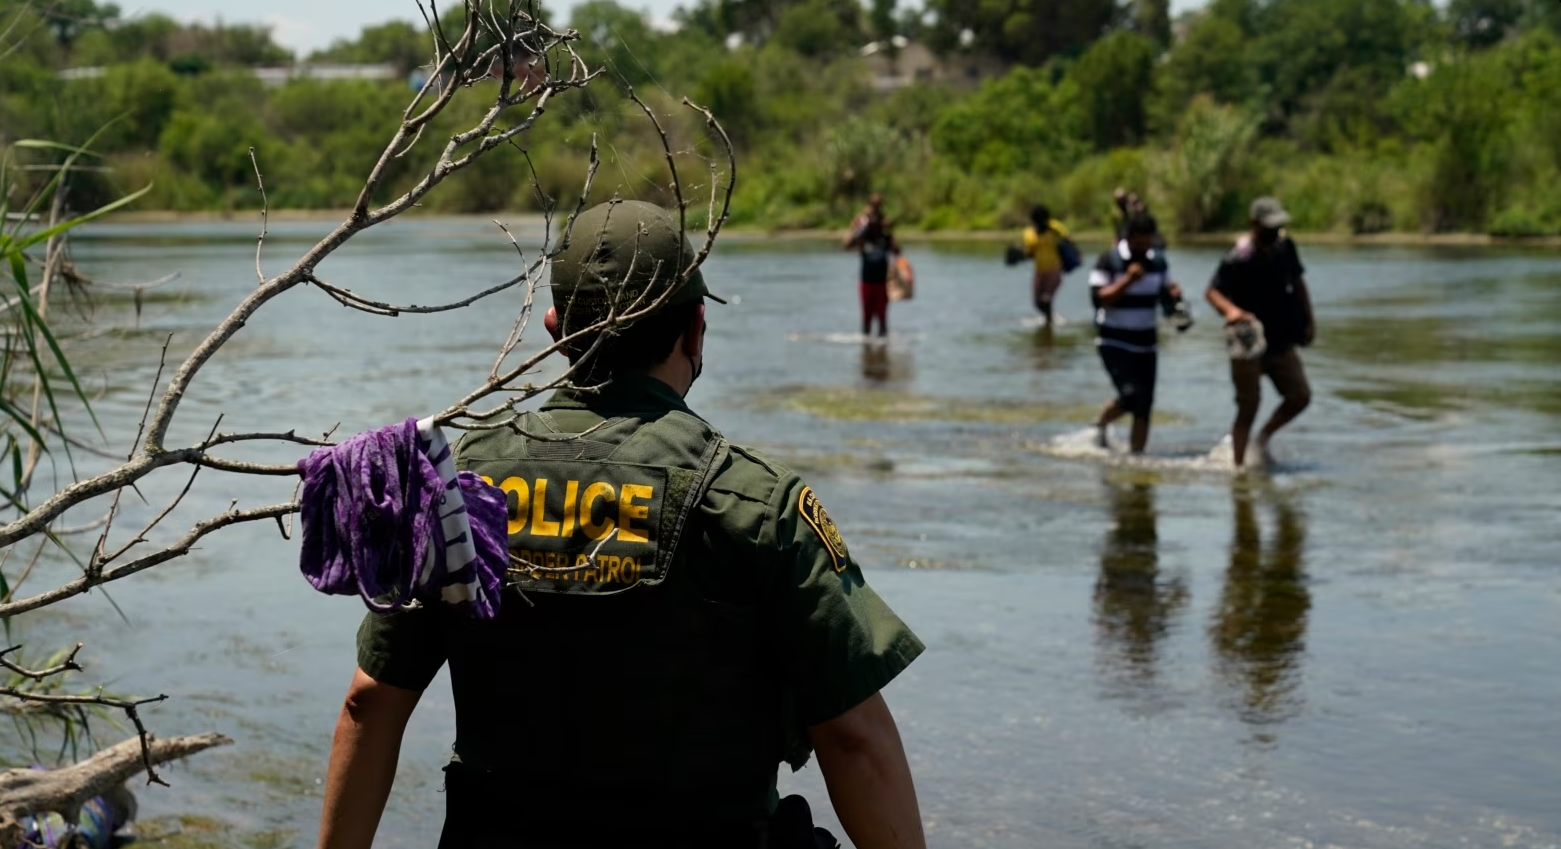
(1140, 438)
(1247, 377)
(1287, 413)
(1241, 434)
(1290, 379)
(1109, 414)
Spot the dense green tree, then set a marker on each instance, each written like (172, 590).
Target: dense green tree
(883, 18)
(1241, 13)
(1152, 20)
(814, 27)
(1348, 113)
(913, 110)
(1482, 23)
(820, 28)
(1114, 78)
(755, 20)
(131, 106)
(1213, 59)
(1304, 43)
(1541, 14)
(1208, 169)
(1028, 32)
(1313, 99)
(1462, 113)
(68, 19)
(162, 38)
(619, 39)
(1015, 122)
(728, 91)
(149, 36)
(400, 43)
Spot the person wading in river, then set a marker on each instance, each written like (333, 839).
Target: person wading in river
(713, 625)
(1043, 243)
(1127, 285)
(1262, 278)
(872, 236)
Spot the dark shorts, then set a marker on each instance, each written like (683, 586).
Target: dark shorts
(1133, 373)
(1284, 369)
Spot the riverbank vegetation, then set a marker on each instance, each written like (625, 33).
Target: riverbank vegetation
(1363, 115)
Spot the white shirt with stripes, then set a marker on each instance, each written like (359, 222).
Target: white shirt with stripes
(1132, 322)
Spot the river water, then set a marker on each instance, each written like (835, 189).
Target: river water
(1359, 650)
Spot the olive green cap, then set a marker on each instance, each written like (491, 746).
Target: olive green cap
(625, 254)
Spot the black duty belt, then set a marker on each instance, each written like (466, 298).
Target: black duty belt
(480, 816)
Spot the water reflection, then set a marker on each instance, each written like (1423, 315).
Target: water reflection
(1134, 605)
(1259, 628)
(1047, 351)
(879, 365)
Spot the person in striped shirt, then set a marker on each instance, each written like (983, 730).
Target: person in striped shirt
(1126, 286)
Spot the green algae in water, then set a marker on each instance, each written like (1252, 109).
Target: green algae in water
(190, 831)
(1429, 400)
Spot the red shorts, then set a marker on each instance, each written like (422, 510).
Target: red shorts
(875, 301)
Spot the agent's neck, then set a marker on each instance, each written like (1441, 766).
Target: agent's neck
(677, 371)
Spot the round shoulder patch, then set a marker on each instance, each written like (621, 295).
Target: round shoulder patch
(815, 514)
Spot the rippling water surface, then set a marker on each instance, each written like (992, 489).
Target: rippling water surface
(1358, 651)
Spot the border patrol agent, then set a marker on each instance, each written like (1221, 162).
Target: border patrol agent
(691, 615)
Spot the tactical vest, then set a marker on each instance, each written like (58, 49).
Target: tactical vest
(647, 693)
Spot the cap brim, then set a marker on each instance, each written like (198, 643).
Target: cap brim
(1274, 221)
(717, 298)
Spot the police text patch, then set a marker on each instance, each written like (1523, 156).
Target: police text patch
(815, 514)
(583, 527)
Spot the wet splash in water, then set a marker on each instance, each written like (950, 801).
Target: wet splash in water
(893, 340)
(1085, 445)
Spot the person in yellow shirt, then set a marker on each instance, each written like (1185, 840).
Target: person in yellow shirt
(1045, 243)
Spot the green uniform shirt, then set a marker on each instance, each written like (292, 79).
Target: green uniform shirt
(761, 557)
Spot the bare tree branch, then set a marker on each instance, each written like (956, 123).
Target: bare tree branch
(27, 791)
(69, 665)
(178, 549)
(265, 214)
(346, 297)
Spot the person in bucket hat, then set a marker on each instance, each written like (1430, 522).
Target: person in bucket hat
(1260, 289)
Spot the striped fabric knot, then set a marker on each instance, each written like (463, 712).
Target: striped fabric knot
(387, 517)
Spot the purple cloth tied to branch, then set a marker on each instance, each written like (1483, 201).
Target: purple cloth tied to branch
(387, 517)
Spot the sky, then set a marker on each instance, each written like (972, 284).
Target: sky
(306, 25)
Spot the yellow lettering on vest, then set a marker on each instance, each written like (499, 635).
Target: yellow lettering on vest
(594, 493)
(517, 519)
(540, 526)
(630, 570)
(628, 511)
(571, 498)
(614, 570)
